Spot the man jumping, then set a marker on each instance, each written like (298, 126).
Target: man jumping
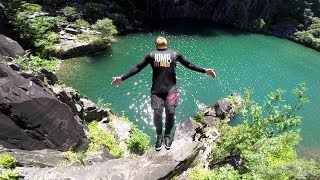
(164, 93)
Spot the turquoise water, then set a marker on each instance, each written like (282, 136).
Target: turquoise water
(241, 61)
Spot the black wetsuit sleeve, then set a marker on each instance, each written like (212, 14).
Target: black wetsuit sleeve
(186, 63)
(137, 68)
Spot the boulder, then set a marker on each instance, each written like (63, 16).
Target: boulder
(92, 112)
(80, 105)
(9, 47)
(38, 158)
(32, 118)
(75, 48)
(51, 77)
(65, 95)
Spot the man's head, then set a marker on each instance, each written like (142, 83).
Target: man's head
(161, 43)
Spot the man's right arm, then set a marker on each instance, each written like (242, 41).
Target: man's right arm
(137, 68)
(134, 70)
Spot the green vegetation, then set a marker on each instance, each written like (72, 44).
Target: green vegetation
(199, 117)
(71, 13)
(75, 157)
(106, 27)
(7, 161)
(37, 32)
(81, 23)
(29, 61)
(100, 139)
(311, 36)
(265, 141)
(93, 11)
(9, 175)
(119, 20)
(139, 142)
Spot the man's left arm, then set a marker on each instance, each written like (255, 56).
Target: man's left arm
(186, 63)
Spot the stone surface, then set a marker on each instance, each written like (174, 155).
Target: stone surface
(98, 156)
(122, 129)
(32, 118)
(38, 158)
(152, 165)
(220, 11)
(284, 30)
(51, 77)
(185, 152)
(74, 48)
(9, 47)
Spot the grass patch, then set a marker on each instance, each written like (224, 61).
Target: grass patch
(100, 139)
(7, 161)
(9, 175)
(138, 142)
(29, 61)
(75, 157)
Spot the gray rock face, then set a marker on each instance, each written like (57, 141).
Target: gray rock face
(220, 11)
(4, 21)
(32, 118)
(39, 158)
(69, 49)
(80, 105)
(285, 29)
(153, 165)
(163, 164)
(9, 47)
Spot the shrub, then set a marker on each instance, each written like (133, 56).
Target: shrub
(7, 161)
(9, 175)
(75, 157)
(265, 142)
(93, 11)
(258, 24)
(199, 117)
(30, 8)
(119, 20)
(138, 142)
(100, 139)
(29, 61)
(106, 27)
(36, 32)
(81, 23)
(71, 13)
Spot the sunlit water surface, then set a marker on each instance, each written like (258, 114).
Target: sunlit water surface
(241, 61)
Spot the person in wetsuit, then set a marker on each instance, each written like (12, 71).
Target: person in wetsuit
(164, 93)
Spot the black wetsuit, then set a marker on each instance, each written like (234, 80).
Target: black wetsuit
(163, 91)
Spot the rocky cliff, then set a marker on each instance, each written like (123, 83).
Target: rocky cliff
(219, 11)
(31, 117)
(193, 142)
(9, 48)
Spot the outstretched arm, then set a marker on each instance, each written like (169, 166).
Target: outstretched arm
(186, 63)
(134, 70)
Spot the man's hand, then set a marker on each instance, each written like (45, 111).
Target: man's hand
(211, 73)
(116, 81)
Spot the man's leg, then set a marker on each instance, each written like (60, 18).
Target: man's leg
(170, 112)
(170, 107)
(157, 105)
(157, 120)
